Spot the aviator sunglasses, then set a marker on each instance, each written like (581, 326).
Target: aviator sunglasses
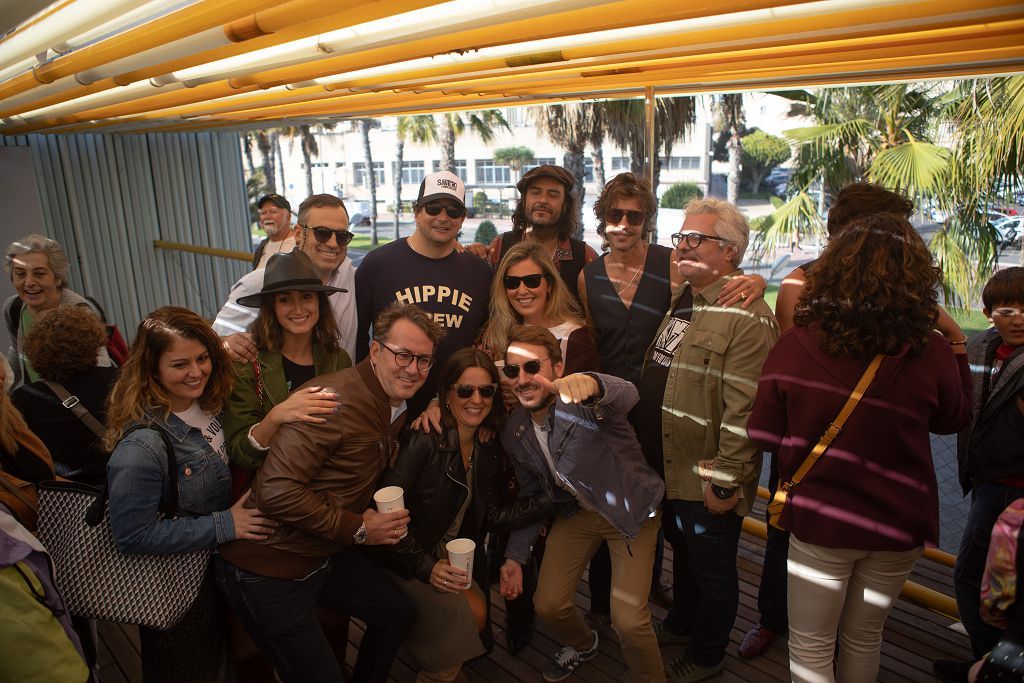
(633, 217)
(532, 367)
(323, 235)
(466, 390)
(454, 212)
(531, 281)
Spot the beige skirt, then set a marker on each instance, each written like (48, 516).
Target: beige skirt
(445, 634)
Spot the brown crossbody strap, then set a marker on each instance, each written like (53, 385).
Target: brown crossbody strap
(77, 409)
(778, 502)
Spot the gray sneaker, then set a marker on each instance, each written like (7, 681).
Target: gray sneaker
(567, 659)
(667, 636)
(685, 670)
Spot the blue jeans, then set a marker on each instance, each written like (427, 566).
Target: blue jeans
(705, 583)
(281, 616)
(987, 502)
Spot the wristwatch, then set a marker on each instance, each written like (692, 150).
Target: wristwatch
(359, 537)
(722, 493)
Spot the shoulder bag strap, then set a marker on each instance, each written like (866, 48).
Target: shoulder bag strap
(836, 426)
(169, 506)
(77, 409)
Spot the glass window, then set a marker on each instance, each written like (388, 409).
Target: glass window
(359, 173)
(490, 173)
(620, 163)
(413, 172)
(460, 168)
(680, 163)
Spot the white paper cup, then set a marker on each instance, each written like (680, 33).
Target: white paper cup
(389, 499)
(460, 554)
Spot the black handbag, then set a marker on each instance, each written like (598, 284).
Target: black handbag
(99, 581)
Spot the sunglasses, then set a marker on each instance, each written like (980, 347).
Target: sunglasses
(323, 235)
(633, 217)
(693, 239)
(531, 281)
(454, 212)
(466, 390)
(532, 367)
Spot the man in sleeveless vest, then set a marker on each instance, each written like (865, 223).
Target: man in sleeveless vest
(547, 213)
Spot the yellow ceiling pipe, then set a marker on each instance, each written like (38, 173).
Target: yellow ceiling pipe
(289, 21)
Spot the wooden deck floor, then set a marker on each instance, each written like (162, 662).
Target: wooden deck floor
(913, 638)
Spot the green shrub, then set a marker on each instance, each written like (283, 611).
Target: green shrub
(676, 196)
(485, 233)
(480, 198)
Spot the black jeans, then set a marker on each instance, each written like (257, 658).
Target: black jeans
(705, 583)
(771, 596)
(281, 616)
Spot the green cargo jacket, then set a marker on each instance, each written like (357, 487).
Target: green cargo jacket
(710, 392)
(245, 408)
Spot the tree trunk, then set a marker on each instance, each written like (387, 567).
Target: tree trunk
(573, 162)
(247, 150)
(597, 156)
(399, 160)
(735, 147)
(267, 154)
(364, 125)
(307, 158)
(279, 156)
(447, 143)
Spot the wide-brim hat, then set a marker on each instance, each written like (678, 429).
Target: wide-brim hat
(546, 171)
(287, 273)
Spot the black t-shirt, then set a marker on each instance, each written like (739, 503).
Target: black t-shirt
(296, 375)
(454, 289)
(647, 417)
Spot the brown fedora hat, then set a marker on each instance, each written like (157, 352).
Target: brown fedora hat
(287, 273)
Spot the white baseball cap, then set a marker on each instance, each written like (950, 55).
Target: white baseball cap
(442, 185)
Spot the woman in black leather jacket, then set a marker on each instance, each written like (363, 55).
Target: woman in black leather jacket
(453, 487)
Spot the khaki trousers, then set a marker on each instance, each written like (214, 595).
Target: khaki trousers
(851, 591)
(571, 543)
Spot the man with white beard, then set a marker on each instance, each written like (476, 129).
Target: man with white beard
(276, 221)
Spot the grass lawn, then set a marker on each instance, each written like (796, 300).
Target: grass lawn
(972, 321)
(362, 242)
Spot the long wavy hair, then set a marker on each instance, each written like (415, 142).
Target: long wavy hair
(567, 222)
(560, 307)
(872, 290)
(12, 424)
(458, 363)
(268, 334)
(626, 186)
(137, 391)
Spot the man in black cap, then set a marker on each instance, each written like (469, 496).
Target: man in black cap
(276, 221)
(427, 269)
(547, 213)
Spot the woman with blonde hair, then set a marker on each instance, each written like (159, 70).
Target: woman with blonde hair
(177, 380)
(527, 290)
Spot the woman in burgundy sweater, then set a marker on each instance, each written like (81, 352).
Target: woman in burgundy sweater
(863, 513)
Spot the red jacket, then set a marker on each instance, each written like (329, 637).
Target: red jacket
(874, 488)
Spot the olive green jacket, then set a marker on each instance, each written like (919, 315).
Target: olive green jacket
(710, 392)
(245, 408)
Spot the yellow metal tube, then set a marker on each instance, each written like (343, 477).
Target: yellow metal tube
(208, 251)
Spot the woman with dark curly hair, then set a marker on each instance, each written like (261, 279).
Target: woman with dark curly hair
(860, 516)
(176, 381)
(62, 347)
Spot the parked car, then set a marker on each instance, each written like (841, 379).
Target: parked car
(1009, 230)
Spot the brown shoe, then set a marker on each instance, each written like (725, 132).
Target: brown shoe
(757, 641)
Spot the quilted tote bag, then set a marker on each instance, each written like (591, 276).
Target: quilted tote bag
(99, 581)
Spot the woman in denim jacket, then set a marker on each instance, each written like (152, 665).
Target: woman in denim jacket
(177, 380)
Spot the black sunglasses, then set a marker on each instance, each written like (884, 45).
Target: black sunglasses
(531, 281)
(633, 217)
(323, 235)
(454, 212)
(466, 390)
(532, 367)
(693, 239)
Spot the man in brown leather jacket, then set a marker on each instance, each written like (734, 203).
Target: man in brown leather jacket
(318, 481)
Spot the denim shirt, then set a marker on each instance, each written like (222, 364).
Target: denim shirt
(136, 479)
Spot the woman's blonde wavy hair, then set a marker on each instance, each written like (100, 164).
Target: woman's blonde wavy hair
(560, 307)
(12, 424)
(137, 392)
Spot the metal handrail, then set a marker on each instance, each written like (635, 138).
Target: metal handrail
(209, 251)
(914, 592)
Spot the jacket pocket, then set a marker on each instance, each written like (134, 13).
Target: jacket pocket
(707, 357)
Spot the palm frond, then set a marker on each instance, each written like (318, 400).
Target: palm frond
(795, 220)
(919, 169)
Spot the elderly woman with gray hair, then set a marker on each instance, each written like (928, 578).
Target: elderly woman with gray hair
(38, 268)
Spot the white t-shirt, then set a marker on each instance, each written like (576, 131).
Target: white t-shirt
(272, 247)
(234, 318)
(209, 426)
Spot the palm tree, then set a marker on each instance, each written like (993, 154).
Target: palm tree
(451, 125)
(275, 140)
(266, 148)
(420, 129)
(730, 109)
(371, 175)
(514, 157)
(247, 143)
(309, 148)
